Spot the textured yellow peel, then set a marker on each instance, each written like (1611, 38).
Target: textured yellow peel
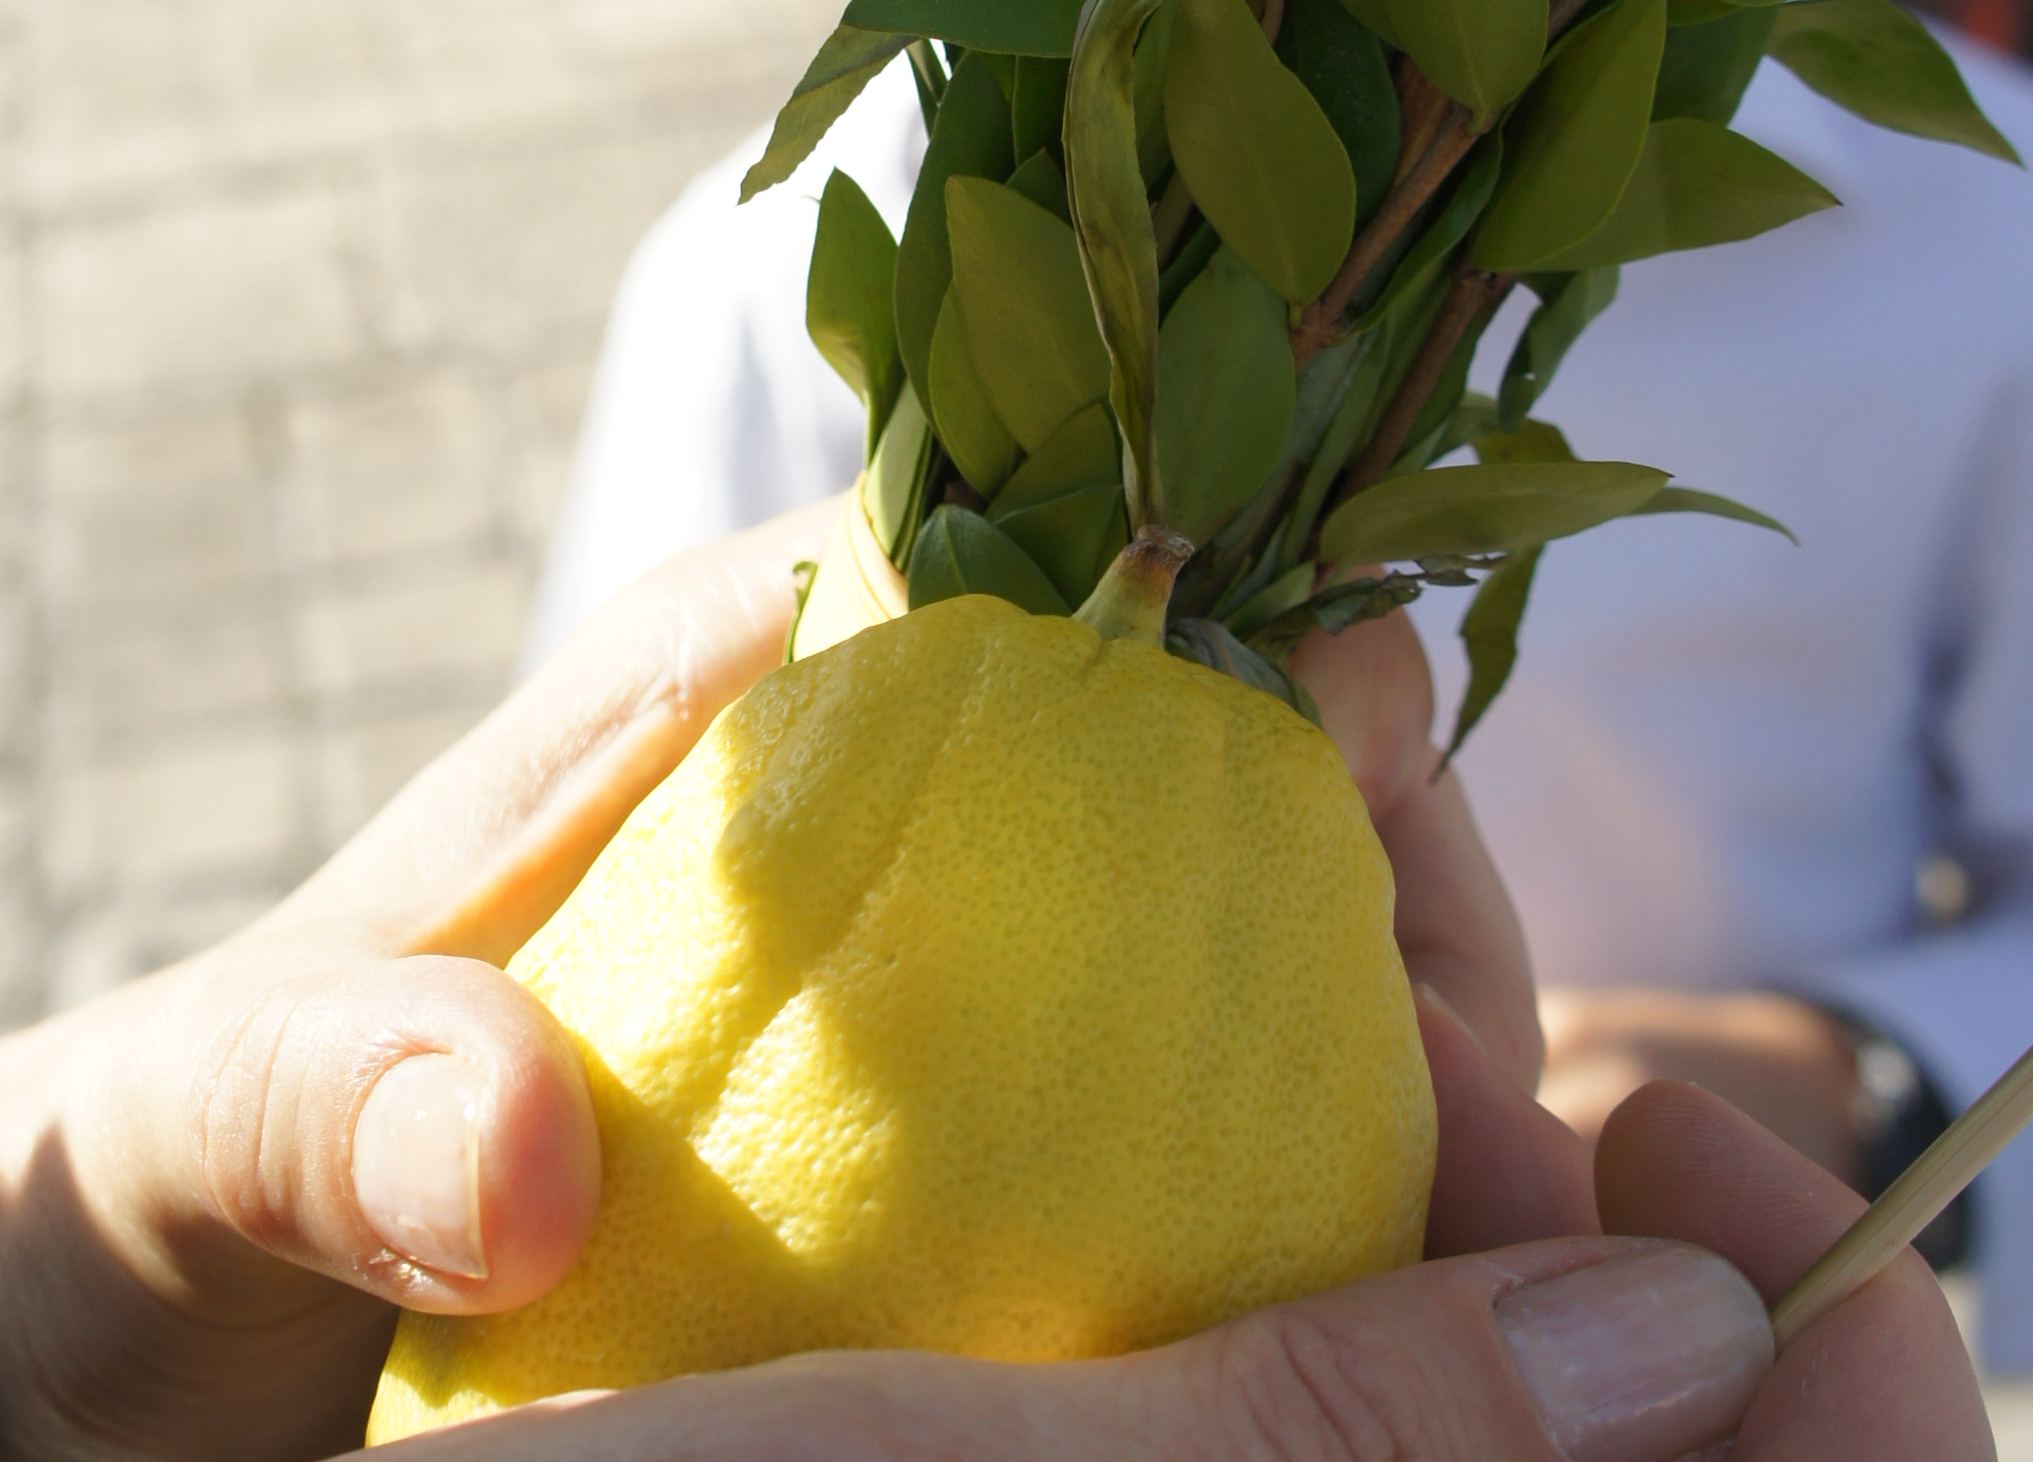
(979, 985)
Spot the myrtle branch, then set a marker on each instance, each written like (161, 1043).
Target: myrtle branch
(1321, 323)
(1474, 294)
(1437, 134)
(1422, 109)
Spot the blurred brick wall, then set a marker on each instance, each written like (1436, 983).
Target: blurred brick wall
(298, 305)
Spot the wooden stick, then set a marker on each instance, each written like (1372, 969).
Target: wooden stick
(1911, 1203)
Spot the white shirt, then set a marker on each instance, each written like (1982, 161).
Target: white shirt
(1722, 758)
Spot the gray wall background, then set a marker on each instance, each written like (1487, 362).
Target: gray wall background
(299, 301)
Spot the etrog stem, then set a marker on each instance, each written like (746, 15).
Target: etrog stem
(1130, 601)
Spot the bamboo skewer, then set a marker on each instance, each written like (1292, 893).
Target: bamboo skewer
(1910, 1204)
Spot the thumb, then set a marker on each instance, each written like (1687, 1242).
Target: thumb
(1568, 1350)
(419, 1128)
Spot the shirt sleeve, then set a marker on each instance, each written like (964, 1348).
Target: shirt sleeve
(1958, 999)
(711, 409)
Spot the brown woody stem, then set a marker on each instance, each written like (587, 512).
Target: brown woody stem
(1474, 291)
(1423, 109)
(1438, 134)
(1322, 321)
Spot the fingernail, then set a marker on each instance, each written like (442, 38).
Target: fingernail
(416, 1163)
(1430, 995)
(1652, 1354)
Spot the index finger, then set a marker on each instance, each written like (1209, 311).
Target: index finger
(1883, 1375)
(479, 850)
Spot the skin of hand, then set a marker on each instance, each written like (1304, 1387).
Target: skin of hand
(1560, 1350)
(1785, 1063)
(217, 1184)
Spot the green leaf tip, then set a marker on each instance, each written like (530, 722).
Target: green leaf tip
(846, 63)
(1874, 60)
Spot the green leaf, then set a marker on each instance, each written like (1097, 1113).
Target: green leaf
(971, 138)
(893, 489)
(1466, 200)
(1375, 16)
(1085, 452)
(1038, 105)
(928, 77)
(1004, 67)
(979, 444)
(1573, 143)
(1715, 505)
(1011, 27)
(1367, 372)
(1483, 53)
(1209, 642)
(1337, 608)
(1073, 537)
(1038, 178)
(1532, 441)
(963, 553)
(1282, 594)
(802, 574)
(1016, 271)
(1343, 64)
(1226, 393)
(848, 308)
(1112, 221)
(1568, 304)
(1490, 632)
(1192, 256)
(1871, 58)
(1147, 94)
(1709, 67)
(1540, 441)
(847, 62)
(1487, 509)
(1700, 12)
(1697, 184)
(1261, 158)
(1432, 435)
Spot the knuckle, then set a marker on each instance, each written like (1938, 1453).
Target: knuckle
(242, 1117)
(1300, 1389)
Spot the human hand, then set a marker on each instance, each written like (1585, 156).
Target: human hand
(217, 1184)
(1785, 1063)
(1585, 1349)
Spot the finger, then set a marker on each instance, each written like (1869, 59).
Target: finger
(1882, 1376)
(482, 847)
(1457, 929)
(1455, 923)
(420, 1129)
(1509, 1171)
(1576, 1350)
(1375, 697)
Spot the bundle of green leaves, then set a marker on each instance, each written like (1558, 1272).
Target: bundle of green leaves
(1222, 265)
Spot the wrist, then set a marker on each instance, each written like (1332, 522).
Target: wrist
(1898, 1113)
